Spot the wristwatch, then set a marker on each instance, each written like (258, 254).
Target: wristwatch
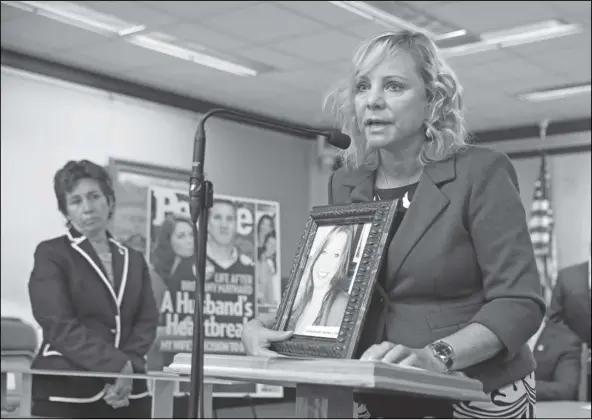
(444, 353)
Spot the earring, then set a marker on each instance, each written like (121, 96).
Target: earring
(428, 132)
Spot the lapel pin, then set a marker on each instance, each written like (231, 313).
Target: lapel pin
(121, 251)
(540, 347)
(406, 202)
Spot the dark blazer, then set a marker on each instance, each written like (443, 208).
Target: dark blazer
(557, 353)
(461, 255)
(88, 324)
(570, 303)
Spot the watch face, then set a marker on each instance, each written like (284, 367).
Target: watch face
(443, 349)
(444, 352)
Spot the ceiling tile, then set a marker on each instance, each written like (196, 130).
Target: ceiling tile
(486, 16)
(550, 46)
(563, 62)
(10, 13)
(188, 72)
(312, 78)
(311, 45)
(123, 54)
(476, 99)
(365, 30)
(76, 59)
(272, 58)
(263, 23)
(572, 8)
(28, 47)
(227, 84)
(523, 85)
(428, 4)
(321, 47)
(131, 11)
(195, 10)
(322, 11)
(195, 32)
(508, 70)
(466, 61)
(49, 33)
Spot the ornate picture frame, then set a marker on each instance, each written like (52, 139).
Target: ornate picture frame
(333, 277)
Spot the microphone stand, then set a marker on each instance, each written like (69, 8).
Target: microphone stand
(201, 197)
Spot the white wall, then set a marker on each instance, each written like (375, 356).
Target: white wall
(46, 122)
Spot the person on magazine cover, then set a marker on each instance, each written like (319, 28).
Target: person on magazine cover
(223, 255)
(172, 255)
(265, 226)
(93, 299)
(322, 295)
(267, 272)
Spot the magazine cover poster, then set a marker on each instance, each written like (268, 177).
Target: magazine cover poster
(230, 295)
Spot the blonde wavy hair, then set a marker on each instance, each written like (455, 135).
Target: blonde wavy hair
(445, 127)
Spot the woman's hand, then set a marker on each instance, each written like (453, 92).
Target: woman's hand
(404, 356)
(257, 338)
(111, 398)
(116, 395)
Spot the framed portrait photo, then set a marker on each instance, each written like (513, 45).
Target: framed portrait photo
(335, 270)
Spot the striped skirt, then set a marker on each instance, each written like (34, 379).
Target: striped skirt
(514, 401)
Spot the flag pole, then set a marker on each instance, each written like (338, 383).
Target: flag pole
(543, 125)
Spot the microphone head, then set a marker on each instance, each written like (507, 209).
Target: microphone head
(338, 139)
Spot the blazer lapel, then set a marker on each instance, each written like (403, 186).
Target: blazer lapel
(85, 249)
(120, 258)
(361, 183)
(427, 203)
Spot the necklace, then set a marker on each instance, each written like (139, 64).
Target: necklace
(406, 202)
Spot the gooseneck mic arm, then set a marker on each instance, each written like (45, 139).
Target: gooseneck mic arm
(200, 201)
(201, 194)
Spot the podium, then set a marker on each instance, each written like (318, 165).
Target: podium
(325, 387)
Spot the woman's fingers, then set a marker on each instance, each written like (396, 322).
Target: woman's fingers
(263, 352)
(410, 360)
(397, 354)
(377, 351)
(273, 336)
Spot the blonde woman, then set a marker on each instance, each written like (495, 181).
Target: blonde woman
(460, 273)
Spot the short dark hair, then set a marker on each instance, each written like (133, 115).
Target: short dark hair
(224, 201)
(67, 177)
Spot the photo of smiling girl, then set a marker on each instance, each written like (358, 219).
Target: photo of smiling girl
(323, 292)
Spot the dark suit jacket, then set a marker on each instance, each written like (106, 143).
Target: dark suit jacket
(461, 255)
(89, 324)
(557, 353)
(571, 300)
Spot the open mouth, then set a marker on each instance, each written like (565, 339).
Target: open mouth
(376, 123)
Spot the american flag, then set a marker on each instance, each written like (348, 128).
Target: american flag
(541, 229)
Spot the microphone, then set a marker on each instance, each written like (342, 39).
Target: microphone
(337, 138)
(201, 195)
